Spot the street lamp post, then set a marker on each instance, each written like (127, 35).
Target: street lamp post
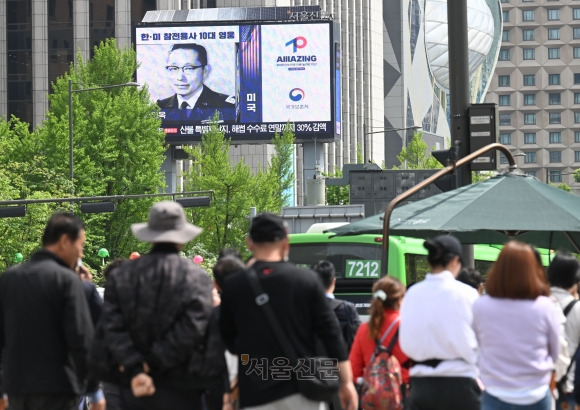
(70, 121)
(385, 130)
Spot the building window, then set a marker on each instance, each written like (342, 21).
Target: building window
(576, 14)
(528, 15)
(554, 98)
(577, 118)
(554, 79)
(576, 98)
(576, 32)
(554, 34)
(576, 52)
(504, 55)
(531, 173)
(555, 137)
(505, 16)
(529, 53)
(576, 78)
(505, 35)
(529, 79)
(554, 53)
(528, 34)
(504, 100)
(576, 156)
(529, 138)
(502, 159)
(555, 176)
(555, 118)
(553, 14)
(529, 99)
(555, 156)
(530, 119)
(530, 158)
(577, 137)
(505, 138)
(505, 119)
(503, 80)
(505, 1)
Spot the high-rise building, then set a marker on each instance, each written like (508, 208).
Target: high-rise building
(537, 87)
(393, 64)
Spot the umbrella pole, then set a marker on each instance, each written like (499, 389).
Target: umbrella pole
(451, 167)
(574, 244)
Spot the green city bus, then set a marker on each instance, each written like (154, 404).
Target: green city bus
(357, 259)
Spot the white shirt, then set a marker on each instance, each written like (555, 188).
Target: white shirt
(436, 317)
(191, 101)
(571, 331)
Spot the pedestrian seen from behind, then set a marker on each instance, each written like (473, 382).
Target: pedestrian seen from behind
(113, 391)
(435, 332)
(564, 275)
(518, 329)
(471, 277)
(45, 324)
(344, 310)
(225, 394)
(298, 303)
(155, 317)
(388, 294)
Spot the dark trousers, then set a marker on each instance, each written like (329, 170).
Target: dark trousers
(164, 399)
(443, 393)
(43, 402)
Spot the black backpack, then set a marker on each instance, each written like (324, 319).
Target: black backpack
(346, 314)
(561, 384)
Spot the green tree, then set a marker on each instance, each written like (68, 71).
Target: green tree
(336, 194)
(236, 189)
(281, 167)
(577, 175)
(416, 155)
(118, 148)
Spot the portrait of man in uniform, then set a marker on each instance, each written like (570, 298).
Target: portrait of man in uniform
(187, 68)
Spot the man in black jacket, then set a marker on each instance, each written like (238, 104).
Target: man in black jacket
(267, 379)
(45, 324)
(155, 316)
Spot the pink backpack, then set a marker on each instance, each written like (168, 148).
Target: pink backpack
(381, 388)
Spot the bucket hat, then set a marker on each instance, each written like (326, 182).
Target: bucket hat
(166, 223)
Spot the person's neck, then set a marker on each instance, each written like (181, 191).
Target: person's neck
(273, 256)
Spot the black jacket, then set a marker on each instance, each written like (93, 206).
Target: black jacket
(156, 310)
(45, 328)
(298, 301)
(207, 99)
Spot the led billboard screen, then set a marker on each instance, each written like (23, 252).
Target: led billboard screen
(257, 76)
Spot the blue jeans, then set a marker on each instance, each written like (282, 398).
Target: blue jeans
(489, 402)
(569, 398)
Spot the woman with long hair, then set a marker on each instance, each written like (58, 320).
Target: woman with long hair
(436, 333)
(518, 329)
(387, 295)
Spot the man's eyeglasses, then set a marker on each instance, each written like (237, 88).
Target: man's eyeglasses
(187, 70)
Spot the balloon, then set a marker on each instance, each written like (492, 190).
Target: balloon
(103, 253)
(18, 257)
(134, 255)
(197, 259)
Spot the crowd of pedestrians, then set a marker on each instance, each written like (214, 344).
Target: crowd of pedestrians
(167, 337)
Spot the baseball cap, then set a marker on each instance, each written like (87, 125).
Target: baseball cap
(449, 244)
(267, 227)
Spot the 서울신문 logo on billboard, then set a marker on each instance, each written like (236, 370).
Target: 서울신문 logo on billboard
(297, 94)
(298, 42)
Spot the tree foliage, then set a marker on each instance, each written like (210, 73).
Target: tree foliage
(236, 189)
(577, 175)
(118, 150)
(336, 194)
(416, 155)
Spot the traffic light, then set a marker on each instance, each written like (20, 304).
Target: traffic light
(446, 157)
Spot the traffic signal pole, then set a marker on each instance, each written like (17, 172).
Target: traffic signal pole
(459, 95)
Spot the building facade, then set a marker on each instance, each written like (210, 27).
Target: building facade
(393, 65)
(537, 87)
